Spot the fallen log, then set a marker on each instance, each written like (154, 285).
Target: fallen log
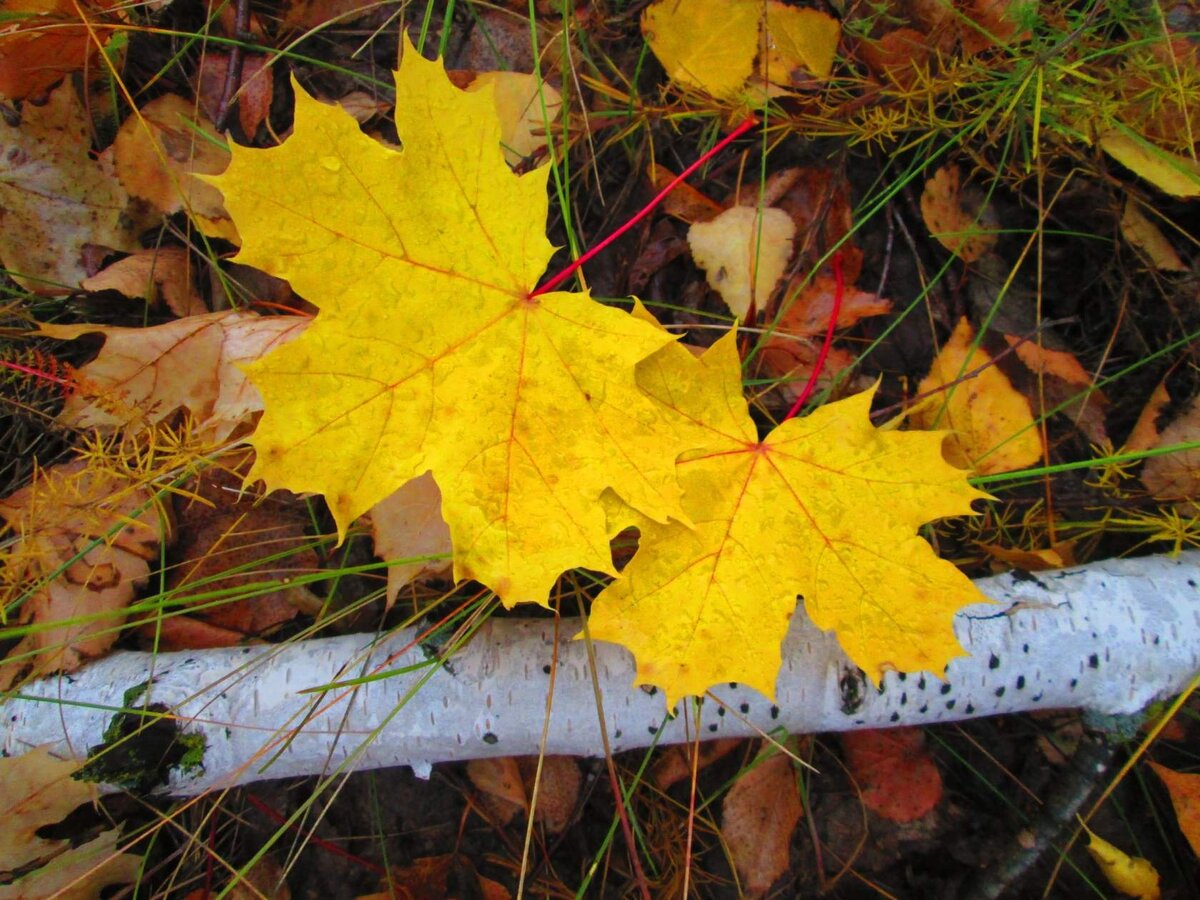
(1110, 637)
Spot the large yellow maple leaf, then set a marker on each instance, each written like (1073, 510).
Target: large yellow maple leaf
(429, 354)
(826, 508)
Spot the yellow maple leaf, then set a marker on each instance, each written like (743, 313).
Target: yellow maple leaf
(429, 354)
(826, 507)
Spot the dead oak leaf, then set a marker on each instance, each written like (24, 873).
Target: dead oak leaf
(826, 507)
(429, 352)
(83, 541)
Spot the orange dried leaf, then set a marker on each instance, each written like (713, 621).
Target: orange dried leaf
(782, 517)
(898, 778)
(684, 202)
(429, 353)
(1145, 432)
(1185, 797)
(45, 44)
(1149, 239)
(957, 217)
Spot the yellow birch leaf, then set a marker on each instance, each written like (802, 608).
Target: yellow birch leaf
(706, 44)
(799, 39)
(992, 425)
(826, 507)
(429, 354)
(1131, 875)
(1170, 173)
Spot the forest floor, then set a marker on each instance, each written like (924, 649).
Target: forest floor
(998, 200)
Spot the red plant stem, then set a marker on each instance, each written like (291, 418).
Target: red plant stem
(35, 373)
(839, 288)
(566, 273)
(325, 845)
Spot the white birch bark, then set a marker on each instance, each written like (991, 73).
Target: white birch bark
(1110, 637)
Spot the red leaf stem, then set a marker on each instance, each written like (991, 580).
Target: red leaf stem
(839, 290)
(648, 208)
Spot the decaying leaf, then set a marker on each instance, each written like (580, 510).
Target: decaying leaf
(84, 538)
(1145, 433)
(894, 771)
(780, 518)
(42, 41)
(37, 790)
(163, 275)
(992, 425)
(231, 546)
(677, 762)
(507, 784)
(409, 524)
(1185, 798)
(758, 816)
(958, 217)
(54, 199)
(429, 354)
(254, 94)
(1176, 476)
(144, 375)
(1066, 386)
(1146, 237)
(744, 252)
(161, 149)
(1058, 555)
(1131, 875)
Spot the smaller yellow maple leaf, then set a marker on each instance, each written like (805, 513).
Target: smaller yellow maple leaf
(827, 507)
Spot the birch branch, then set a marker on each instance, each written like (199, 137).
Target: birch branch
(1111, 637)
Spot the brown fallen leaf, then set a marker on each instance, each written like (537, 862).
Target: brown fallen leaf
(1058, 555)
(55, 200)
(1066, 386)
(83, 541)
(1176, 476)
(507, 784)
(230, 542)
(758, 816)
(675, 764)
(253, 96)
(409, 524)
(164, 274)
(1147, 238)
(143, 375)
(957, 216)
(898, 778)
(160, 151)
(1145, 433)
